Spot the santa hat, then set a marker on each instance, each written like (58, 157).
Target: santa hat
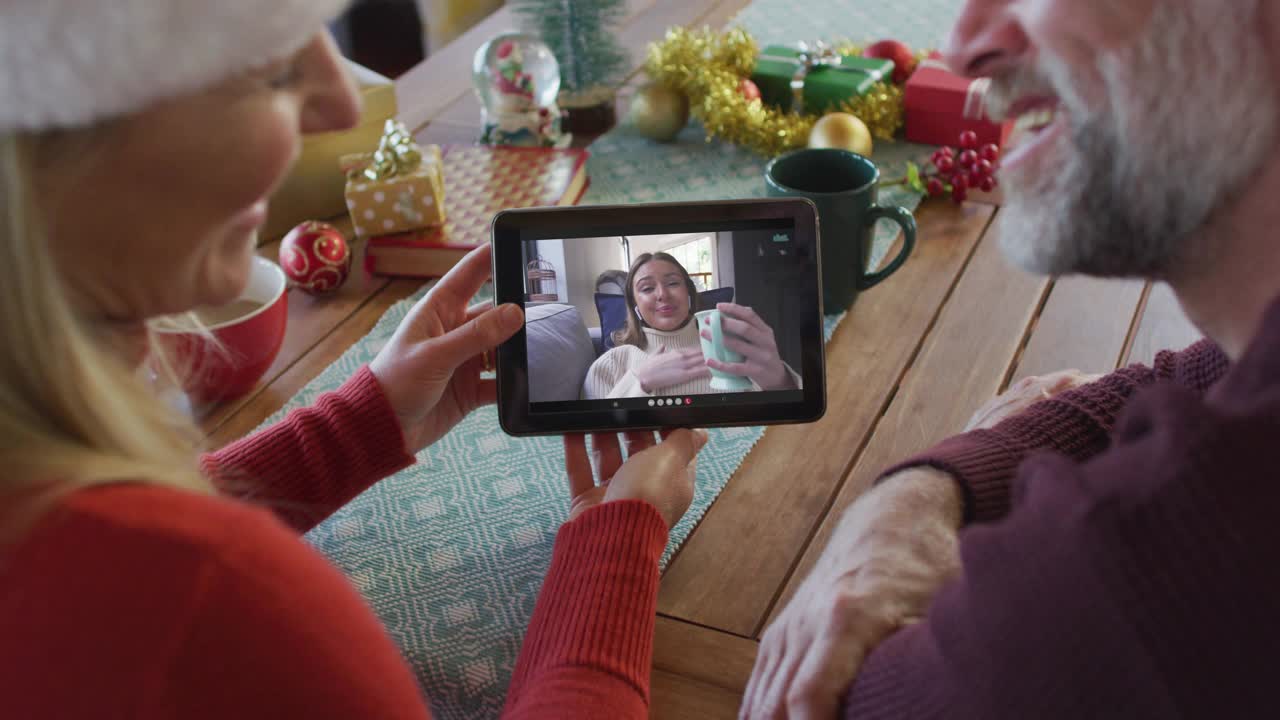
(69, 63)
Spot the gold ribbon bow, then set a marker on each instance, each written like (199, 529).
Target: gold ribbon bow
(397, 154)
(821, 55)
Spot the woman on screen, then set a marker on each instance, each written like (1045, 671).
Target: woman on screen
(659, 352)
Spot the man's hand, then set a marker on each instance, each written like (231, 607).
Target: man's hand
(1025, 393)
(891, 552)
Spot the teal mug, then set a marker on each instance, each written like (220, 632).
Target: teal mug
(844, 185)
(715, 349)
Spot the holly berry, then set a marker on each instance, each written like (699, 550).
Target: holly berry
(968, 140)
(960, 181)
(990, 153)
(968, 159)
(976, 178)
(936, 187)
(959, 194)
(945, 165)
(988, 184)
(986, 167)
(948, 151)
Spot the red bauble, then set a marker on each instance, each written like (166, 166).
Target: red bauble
(316, 257)
(904, 61)
(749, 90)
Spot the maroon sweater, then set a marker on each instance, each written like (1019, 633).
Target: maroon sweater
(1128, 572)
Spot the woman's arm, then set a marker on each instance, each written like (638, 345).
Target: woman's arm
(589, 647)
(318, 458)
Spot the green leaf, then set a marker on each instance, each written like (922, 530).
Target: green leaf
(914, 181)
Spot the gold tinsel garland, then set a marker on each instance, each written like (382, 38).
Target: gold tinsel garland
(709, 68)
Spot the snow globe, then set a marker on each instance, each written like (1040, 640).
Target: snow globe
(518, 80)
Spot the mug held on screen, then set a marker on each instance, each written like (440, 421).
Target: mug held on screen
(716, 350)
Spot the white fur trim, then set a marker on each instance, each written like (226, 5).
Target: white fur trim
(67, 63)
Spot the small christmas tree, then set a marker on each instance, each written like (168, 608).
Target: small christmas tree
(580, 35)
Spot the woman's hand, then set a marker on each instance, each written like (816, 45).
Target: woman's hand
(661, 475)
(668, 369)
(430, 369)
(748, 335)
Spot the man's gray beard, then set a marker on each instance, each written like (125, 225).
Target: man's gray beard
(1196, 102)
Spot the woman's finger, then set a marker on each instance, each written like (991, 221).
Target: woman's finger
(577, 464)
(638, 441)
(748, 350)
(464, 280)
(477, 336)
(746, 331)
(606, 455)
(745, 314)
(486, 393)
(477, 310)
(731, 368)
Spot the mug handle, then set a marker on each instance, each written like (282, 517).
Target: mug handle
(908, 223)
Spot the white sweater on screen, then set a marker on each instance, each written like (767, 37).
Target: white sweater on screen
(612, 375)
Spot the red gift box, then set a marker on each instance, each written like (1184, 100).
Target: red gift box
(940, 105)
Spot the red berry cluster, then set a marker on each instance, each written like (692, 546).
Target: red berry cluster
(958, 171)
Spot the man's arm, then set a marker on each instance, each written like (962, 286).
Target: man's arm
(1077, 423)
(1020, 634)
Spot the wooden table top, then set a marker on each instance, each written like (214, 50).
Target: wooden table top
(913, 359)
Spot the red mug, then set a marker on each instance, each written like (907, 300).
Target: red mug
(248, 334)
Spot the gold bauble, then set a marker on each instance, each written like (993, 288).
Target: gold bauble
(841, 131)
(659, 112)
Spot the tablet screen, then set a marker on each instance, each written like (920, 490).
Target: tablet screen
(661, 315)
(650, 305)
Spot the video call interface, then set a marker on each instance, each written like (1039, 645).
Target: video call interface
(592, 344)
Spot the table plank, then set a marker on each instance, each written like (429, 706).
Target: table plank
(675, 697)
(964, 361)
(703, 654)
(784, 487)
(310, 320)
(1084, 325)
(1163, 326)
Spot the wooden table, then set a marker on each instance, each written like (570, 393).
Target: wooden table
(906, 368)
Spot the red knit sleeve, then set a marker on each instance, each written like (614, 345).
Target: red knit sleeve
(1076, 423)
(589, 647)
(278, 632)
(318, 458)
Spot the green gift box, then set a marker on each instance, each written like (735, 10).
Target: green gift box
(829, 79)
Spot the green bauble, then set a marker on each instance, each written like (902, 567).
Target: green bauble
(659, 112)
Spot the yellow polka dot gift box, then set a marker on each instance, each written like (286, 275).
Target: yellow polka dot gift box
(397, 188)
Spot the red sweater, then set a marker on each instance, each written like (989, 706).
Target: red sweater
(1129, 574)
(136, 601)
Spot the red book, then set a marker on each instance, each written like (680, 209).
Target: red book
(479, 181)
(940, 105)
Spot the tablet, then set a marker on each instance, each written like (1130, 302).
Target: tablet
(664, 315)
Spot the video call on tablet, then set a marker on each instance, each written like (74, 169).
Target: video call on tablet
(666, 315)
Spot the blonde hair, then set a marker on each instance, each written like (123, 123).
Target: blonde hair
(73, 412)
